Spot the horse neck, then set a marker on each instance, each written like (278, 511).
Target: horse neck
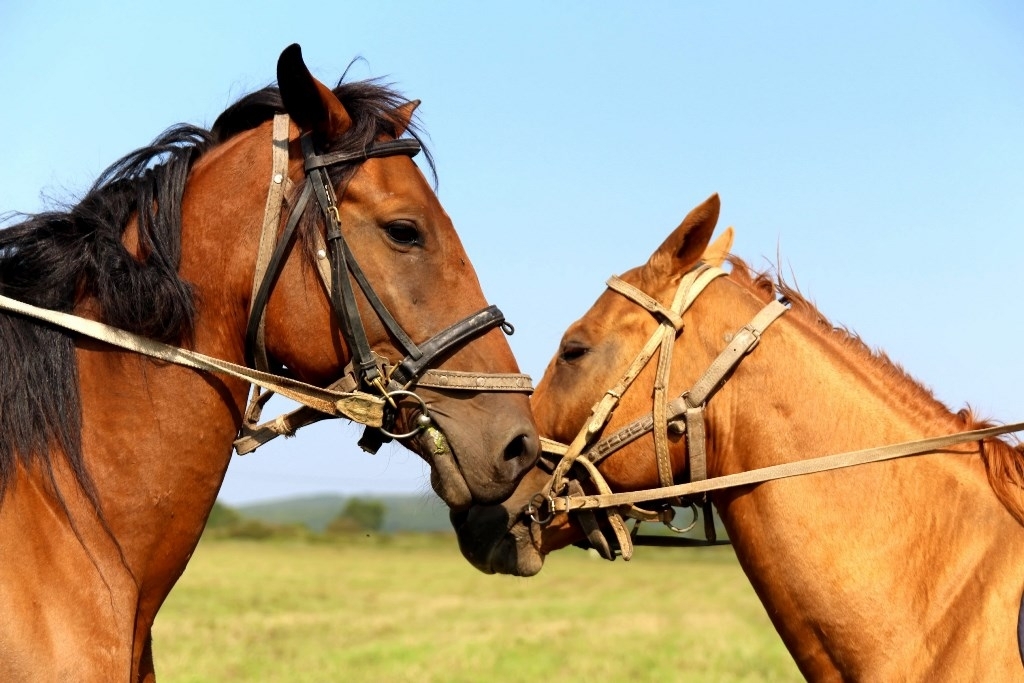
(157, 439)
(834, 555)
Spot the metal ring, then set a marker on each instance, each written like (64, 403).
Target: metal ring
(533, 508)
(693, 522)
(423, 412)
(508, 328)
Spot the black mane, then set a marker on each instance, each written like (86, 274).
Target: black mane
(57, 258)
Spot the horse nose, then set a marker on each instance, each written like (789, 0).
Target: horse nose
(522, 451)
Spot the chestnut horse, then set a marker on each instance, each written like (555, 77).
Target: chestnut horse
(110, 462)
(907, 569)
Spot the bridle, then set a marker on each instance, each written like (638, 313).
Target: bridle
(684, 415)
(338, 269)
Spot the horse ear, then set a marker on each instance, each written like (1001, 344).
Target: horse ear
(686, 245)
(403, 117)
(716, 252)
(310, 103)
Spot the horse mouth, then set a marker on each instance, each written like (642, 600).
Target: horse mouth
(501, 550)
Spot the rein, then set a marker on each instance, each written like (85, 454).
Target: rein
(684, 415)
(356, 406)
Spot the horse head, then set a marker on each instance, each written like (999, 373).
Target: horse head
(379, 289)
(591, 358)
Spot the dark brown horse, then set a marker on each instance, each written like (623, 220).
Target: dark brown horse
(110, 462)
(908, 569)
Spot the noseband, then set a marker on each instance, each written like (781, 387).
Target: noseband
(338, 268)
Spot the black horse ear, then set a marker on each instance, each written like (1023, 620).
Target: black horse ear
(310, 103)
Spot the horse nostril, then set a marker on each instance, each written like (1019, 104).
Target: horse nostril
(523, 447)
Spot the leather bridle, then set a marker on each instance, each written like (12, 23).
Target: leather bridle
(338, 269)
(684, 415)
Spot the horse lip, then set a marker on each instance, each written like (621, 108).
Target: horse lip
(446, 478)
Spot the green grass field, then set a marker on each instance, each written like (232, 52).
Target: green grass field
(409, 608)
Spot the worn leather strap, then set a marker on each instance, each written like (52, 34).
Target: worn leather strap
(268, 234)
(357, 406)
(452, 336)
(784, 470)
(475, 381)
(254, 329)
(253, 435)
(645, 301)
(409, 147)
(712, 380)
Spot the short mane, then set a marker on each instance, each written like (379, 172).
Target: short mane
(59, 258)
(1004, 463)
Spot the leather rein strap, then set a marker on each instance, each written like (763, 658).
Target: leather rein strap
(338, 269)
(354, 405)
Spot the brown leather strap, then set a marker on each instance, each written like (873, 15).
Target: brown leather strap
(271, 223)
(784, 470)
(474, 381)
(356, 406)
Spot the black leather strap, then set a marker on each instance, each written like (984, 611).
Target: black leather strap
(407, 146)
(259, 304)
(408, 345)
(446, 339)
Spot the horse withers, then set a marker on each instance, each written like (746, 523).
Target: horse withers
(907, 569)
(110, 461)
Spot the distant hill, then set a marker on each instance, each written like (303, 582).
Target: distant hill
(415, 512)
(405, 513)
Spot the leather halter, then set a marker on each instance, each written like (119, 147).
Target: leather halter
(366, 371)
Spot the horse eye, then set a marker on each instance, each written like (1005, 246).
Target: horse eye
(404, 233)
(572, 351)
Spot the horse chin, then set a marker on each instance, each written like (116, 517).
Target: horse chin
(493, 545)
(516, 554)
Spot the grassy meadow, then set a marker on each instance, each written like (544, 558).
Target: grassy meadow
(409, 608)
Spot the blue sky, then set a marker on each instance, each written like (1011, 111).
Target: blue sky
(876, 147)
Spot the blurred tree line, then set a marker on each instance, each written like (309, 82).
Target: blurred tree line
(357, 516)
